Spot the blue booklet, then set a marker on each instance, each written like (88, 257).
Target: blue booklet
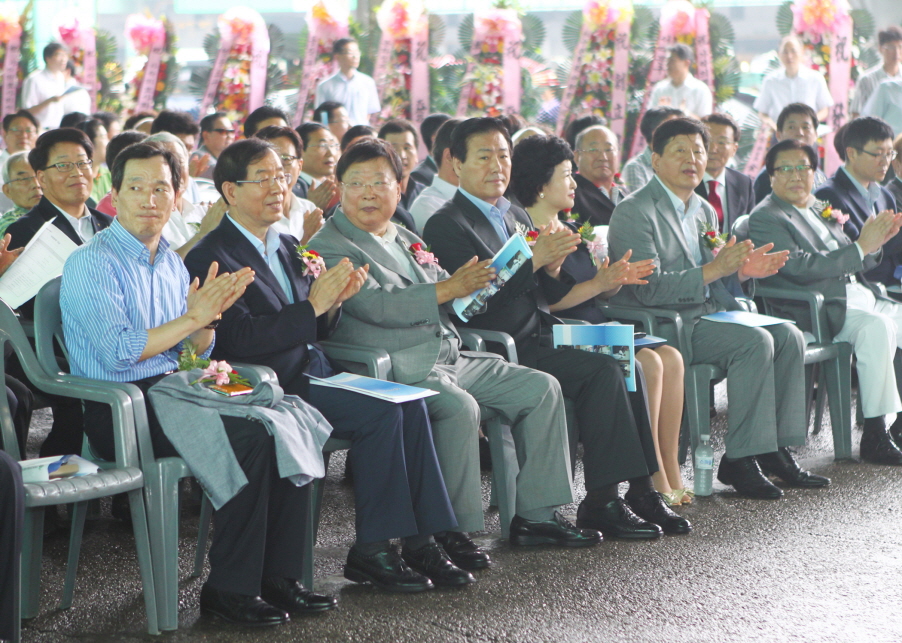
(616, 340)
(506, 263)
(752, 320)
(380, 389)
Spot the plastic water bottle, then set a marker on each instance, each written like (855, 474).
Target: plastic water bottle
(704, 467)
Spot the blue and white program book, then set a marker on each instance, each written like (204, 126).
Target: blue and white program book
(506, 263)
(743, 318)
(380, 389)
(616, 340)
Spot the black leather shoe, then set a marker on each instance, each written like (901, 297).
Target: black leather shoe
(432, 561)
(895, 431)
(616, 520)
(557, 531)
(745, 476)
(240, 609)
(652, 508)
(462, 551)
(780, 463)
(294, 598)
(877, 447)
(386, 570)
(485, 454)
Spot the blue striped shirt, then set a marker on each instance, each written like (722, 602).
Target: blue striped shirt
(110, 296)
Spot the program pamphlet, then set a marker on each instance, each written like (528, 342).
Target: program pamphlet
(616, 340)
(512, 255)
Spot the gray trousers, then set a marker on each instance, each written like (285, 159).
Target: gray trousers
(765, 383)
(530, 401)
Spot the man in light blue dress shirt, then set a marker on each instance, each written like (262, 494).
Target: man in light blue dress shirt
(348, 86)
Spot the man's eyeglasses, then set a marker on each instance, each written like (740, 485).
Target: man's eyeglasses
(789, 170)
(597, 152)
(326, 146)
(266, 184)
(889, 156)
(33, 177)
(67, 167)
(355, 188)
(22, 130)
(288, 160)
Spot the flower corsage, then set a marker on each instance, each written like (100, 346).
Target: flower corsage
(596, 248)
(313, 262)
(827, 213)
(422, 255)
(714, 240)
(218, 372)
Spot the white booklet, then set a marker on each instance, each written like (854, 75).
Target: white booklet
(53, 467)
(40, 261)
(512, 255)
(743, 318)
(615, 340)
(380, 389)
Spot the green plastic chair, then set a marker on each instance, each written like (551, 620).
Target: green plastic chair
(124, 477)
(161, 475)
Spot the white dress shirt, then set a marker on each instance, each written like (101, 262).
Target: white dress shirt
(358, 94)
(779, 90)
(430, 200)
(294, 223)
(886, 103)
(84, 227)
(38, 87)
(693, 96)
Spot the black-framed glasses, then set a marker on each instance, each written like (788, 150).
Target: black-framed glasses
(67, 167)
(266, 184)
(287, 160)
(789, 170)
(889, 156)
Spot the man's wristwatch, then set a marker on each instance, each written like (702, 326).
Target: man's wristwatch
(213, 324)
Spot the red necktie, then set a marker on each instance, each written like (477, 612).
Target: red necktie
(716, 203)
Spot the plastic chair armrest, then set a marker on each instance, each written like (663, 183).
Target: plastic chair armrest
(496, 336)
(376, 360)
(815, 301)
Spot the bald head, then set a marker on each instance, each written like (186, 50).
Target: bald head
(598, 155)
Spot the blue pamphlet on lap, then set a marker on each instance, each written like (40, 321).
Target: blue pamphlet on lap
(752, 320)
(380, 389)
(649, 341)
(615, 340)
(512, 255)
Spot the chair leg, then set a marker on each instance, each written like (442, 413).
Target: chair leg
(145, 558)
(698, 403)
(162, 497)
(79, 513)
(821, 401)
(504, 476)
(838, 374)
(315, 491)
(203, 533)
(32, 548)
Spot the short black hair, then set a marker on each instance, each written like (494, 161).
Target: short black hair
(838, 142)
(654, 117)
(726, 120)
(681, 51)
(443, 139)
(22, 113)
(120, 142)
(72, 119)
(577, 125)
(513, 122)
(306, 130)
(355, 132)
(90, 127)
(175, 123)
(367, 150)
(141, 151)
(208, 122)
(40, 154)
(474, 127)
(892, 33)
(232, 164)
(864, 129)
(677, 127)
(430, 127)
(796, 108)
(52, 48)
(784, 146)
(107, 118)
(534, 160)
(339, 45)
(134, 119)
(326, 107)
(271, 132)
(262, 113)
(399, 126)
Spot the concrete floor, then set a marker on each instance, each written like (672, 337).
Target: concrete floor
(814, 566)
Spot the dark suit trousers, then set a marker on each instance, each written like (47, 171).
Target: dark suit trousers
(259, 532)
(12, 519)
(398, 486)
(21, 405)
(613, 424)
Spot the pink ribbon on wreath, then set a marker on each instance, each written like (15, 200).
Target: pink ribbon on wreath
(419, 78)
(89, 70)
(324, 27)
(840, 74)
(147, 91)
(621, 78)
(259, 63)
(666, 39)
(225, 46)
(755, 161)
(10, 75)
(585, 34)
(704, 61)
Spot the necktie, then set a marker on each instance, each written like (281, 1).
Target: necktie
(716, 203)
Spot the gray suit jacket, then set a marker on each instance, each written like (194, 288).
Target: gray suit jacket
(391, 311)
(647, 223)
(811, 265)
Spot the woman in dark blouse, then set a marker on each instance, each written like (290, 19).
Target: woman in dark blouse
(542, 180)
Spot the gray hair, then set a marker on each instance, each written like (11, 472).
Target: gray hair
(166, 137)
(594, 128)
(8, 163)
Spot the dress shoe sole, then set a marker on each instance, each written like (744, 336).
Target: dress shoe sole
(359, 576)
(470, 566)
(535, 541)
(679, 531)
(210, 611)
(630, 535)
(296, 610)
(768, 494)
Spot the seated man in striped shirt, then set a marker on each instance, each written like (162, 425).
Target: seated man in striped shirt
(127, 309)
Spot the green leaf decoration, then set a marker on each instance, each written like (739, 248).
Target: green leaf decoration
(465, 33)
(211, 44)
(784, 18)
(863, 24)
(533, 32)
(644, 30)
(436, 34)
(722, 33)
(573, 27)
(868, 57)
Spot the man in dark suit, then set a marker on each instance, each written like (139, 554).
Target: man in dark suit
(823, 259)
(797, 121)
(855, 187)
(399, 490)
(614, 429)
(317, 180)
(729, 192)
(428, 168)
(598, 161)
